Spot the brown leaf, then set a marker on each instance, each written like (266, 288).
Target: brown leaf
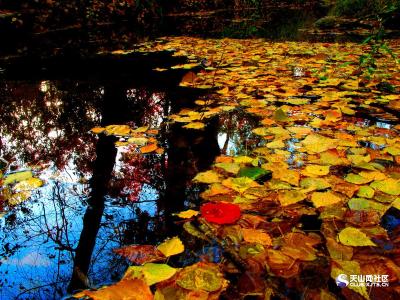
(140, 254)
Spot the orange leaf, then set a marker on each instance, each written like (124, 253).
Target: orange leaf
(149, 148)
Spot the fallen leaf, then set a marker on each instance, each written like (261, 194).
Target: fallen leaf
(140, 254)
(324, 199)
(171, 247)
(149, 148)
(201, 276)
(290, 197)
(351, 236)
(220, 213)
(150, 272)
(207, 177)
(132, 289)
(389, 186)
(187, 214)
(17, 177)
(256, 236)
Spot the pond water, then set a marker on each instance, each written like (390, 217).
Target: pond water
(97, 197)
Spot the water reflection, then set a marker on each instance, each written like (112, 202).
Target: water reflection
(95, 198)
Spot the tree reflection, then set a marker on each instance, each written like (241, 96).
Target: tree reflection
(46, 124)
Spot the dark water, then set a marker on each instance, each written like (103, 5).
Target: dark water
(97, 197)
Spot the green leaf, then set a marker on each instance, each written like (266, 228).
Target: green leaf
(253, 172)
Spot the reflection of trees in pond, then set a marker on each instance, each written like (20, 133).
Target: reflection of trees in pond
(45, 122)
(235, 136)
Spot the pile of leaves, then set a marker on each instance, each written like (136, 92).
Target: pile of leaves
(315, 198)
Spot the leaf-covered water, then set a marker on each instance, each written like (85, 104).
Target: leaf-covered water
(272, 167)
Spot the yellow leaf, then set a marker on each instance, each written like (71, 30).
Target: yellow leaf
(356, 179)
(240, 184)
(256, 236)
(187, 214)
(315, 170)
(194, 125)
(171, 247)
(207, 177)
(277, 144)
(201, 277)
(243, 159)
(17, 198)
(324, 199)
(351, 236)
(315, 143)
(17, 177)
(28, 184)
(129, 289)
(389, 186)
(229, 167)
(347, 268)
(150, 272)
(140, 141)
(290, 197)
(121, 130)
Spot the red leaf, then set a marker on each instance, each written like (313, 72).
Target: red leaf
(220, 213)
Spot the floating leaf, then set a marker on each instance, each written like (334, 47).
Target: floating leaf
(17, 177)
(193, 230)
(280, 115)
(356, 179)
(315, 143)
(256, 236)
(253, 172)
(97, 130)
(240, 184)
(290, 197)
(338, 251)
(314, 183)
(28, 184)
(171, 247)
(119, 130)
(194, 125)
(316, 170)
(149, 148)
(133, 289)
(140, 254)
(207, 177)
(389, 186)
(365, 204)
(349, 268)
(229, 167)
(325, 199)
(200, 276)
(139, 141)
(187, 214)
(366, 192)
(151, 273)
(220, 213)
(351, 236)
